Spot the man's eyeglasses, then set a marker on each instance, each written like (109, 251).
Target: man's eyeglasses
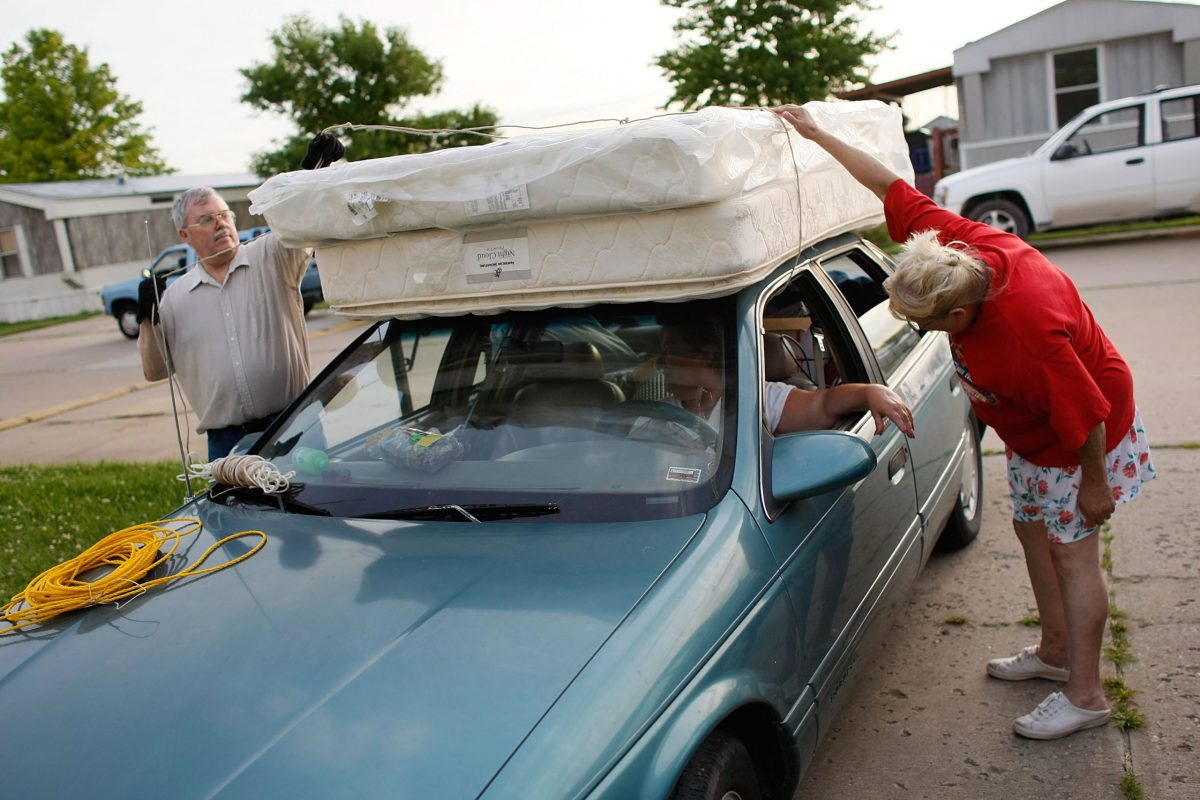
(210, 220)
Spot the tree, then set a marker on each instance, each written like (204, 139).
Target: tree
(63, 119)
(322, 77)
(766, 52)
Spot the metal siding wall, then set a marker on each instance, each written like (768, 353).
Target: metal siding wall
(39, 237)
(1017, 98)
(1140, 64)
(117, 238)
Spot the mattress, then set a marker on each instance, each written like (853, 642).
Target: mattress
(669, 255)
(681, 206)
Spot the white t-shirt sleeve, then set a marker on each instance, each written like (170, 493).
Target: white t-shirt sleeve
(774, 397)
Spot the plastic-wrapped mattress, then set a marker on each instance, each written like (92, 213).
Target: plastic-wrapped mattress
(677, 206)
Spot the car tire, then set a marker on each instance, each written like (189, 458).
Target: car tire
(127, 323)
(1003, 215)
(308, 305)
(721, 769)
(967, 517)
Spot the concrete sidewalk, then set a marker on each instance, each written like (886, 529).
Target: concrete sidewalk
(926, 722)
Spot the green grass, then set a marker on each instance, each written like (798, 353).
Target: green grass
(1123, 227)
(957, 619)
(1131, 789)
(53, 513)
(10, 328)
(1031, 620)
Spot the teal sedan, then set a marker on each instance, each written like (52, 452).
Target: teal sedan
(511, 563)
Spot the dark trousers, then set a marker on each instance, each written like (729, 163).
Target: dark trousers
(222, 440)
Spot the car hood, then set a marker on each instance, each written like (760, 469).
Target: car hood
(347, 658)
(985, 171)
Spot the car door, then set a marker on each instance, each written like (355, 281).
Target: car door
(1177, 164)
(917, 366)
(1106, 173)
(841, 554)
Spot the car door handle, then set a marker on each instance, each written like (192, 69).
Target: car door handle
(896, 464)
(1138, 160)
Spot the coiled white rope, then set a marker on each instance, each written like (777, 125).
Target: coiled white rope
(245, 471)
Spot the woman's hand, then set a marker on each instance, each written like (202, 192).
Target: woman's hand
(1095, 502)
(799, 118)
(884, 404)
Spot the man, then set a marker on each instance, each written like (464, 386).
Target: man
(1043, 375)
(234, 323)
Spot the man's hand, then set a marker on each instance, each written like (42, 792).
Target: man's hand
(149, 291)
(323, 150)
(884, 404)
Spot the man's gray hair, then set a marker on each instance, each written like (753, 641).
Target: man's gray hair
(186, 200)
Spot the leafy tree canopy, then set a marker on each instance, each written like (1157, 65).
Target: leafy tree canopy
(63, 119)
(321, 77)
(766, 52)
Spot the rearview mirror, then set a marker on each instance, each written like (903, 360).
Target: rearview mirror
(814, 462)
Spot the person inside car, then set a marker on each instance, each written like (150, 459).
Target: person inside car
(692, 364)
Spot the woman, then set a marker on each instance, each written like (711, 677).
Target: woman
(1043, 375)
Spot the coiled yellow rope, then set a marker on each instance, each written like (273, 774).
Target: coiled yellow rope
(130, 553)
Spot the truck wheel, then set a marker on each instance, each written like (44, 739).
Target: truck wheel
(1003, 215)
(127, 320)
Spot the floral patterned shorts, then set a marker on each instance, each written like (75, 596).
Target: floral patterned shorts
(1050, 493)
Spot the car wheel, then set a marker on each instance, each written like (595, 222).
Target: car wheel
(308, 304)
(720, 770)
(127, 320)
(1003, 215)
(967, 516)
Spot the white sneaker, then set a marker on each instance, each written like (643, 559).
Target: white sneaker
(1056, 717)
(1023, 666)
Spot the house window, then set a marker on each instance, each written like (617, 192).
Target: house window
(10, 258)
(1076, 82)
(1181, 118)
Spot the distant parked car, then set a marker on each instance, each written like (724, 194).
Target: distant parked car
(120, 299)
(1133, 158)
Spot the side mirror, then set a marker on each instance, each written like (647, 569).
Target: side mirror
(1065, 150)
(814, 462)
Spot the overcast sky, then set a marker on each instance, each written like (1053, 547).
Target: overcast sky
(533, 61)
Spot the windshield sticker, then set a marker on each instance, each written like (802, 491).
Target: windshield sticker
(514, 199)
(492, 256)
(685, 474)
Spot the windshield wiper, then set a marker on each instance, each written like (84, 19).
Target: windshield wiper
(254, 497)
(451, 512)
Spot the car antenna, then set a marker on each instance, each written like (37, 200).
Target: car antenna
(188, 496)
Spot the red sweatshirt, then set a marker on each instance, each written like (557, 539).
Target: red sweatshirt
(1037, 367)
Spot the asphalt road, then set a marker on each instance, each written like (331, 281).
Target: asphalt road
(923, 721)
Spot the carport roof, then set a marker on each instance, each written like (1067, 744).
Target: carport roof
(126, 187)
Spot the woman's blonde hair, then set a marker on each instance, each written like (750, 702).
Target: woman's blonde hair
(932, 278)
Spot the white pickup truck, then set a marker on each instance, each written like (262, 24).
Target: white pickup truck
(1133, 158)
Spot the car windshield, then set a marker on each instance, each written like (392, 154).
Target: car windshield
(578, 414)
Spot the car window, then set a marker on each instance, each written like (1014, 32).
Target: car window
(804, 341)
(860, 281)
(613, 412)
(1119, 129)
(1181, 118)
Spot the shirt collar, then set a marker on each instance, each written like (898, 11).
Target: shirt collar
(198, 275)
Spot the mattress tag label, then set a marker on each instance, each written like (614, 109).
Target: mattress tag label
(490, 256)
(514, 199)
